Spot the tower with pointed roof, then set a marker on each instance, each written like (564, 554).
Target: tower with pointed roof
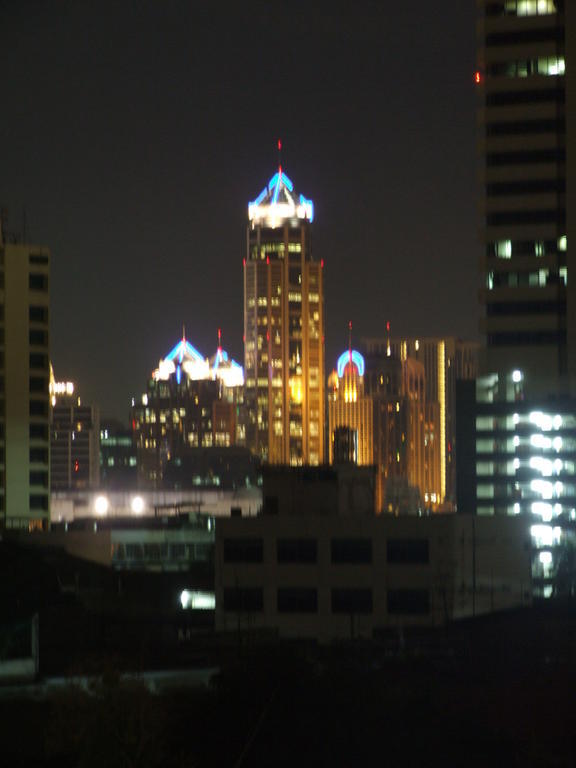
(283, 328)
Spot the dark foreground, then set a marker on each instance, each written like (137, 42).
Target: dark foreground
(287, 706)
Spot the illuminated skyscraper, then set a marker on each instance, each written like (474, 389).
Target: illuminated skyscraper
(24, 360)
(527, 108)
(380, 402)
(446, 360)
(190, 403)
(283, 329)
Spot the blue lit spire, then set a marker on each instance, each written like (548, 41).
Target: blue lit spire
(278, 201)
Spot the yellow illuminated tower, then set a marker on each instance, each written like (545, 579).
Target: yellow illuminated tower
(283, 329)
(349, 407)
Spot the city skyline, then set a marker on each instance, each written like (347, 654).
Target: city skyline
(154, 127)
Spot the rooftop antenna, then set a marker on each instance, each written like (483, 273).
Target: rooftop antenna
(350, 340)
(219, 339)
(388, 348)
(183, 332)
(280, 156)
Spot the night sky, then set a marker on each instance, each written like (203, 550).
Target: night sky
(133, 134)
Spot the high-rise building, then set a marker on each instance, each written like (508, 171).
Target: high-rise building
(525, 401)
(24, 403)
(446, 359)
(376, 417)
(74, 440)
(283, 329)
(526, 110)
(118, 459)
(190, 402)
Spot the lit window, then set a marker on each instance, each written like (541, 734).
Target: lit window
(530, 7)
(504, 249)
(562, 243)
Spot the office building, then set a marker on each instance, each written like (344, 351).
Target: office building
(283, 329)
(189, 403)
(525, 113)
(529, 304)
(315, 567)
(377, 417)
(118, 459)
(74, 439)
(24, 405)
(446, 360)
(525, 399)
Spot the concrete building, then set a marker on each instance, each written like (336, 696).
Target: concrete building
(74, 439)
(526, 109)
(24, 404)
(330, 577)
(283, 329)
(525, 400)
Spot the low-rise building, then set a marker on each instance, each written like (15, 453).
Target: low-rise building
(334, 577)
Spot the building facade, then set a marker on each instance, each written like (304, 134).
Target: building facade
(446, 360)
(74, 439)
(331, 578)
(525, 113)
(189, 403)
(525, 399)
(283, 329)
(380, 402)
(24, 405)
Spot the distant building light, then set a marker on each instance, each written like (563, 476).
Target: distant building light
(197, 601)
(137, 505)
(516, 376)
(101, 505)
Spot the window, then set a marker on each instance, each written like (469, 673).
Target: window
(39, 501)
(511, 218)
(351, 551)
(39, 478)
(517, 338)
(38, 314)
(37, 282)
(297, 550)
(351, 600)
(519, 127)
(243, 600)
(38, 258)
(38, 407)
(38, 455)
(521, 37)
(529, 187)
(243, 550)
(542, 65)
(38, 338)
(408, 601)
(39, 361)
(38, 384)
(526, 157)
(407, 551)
(297, 600)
